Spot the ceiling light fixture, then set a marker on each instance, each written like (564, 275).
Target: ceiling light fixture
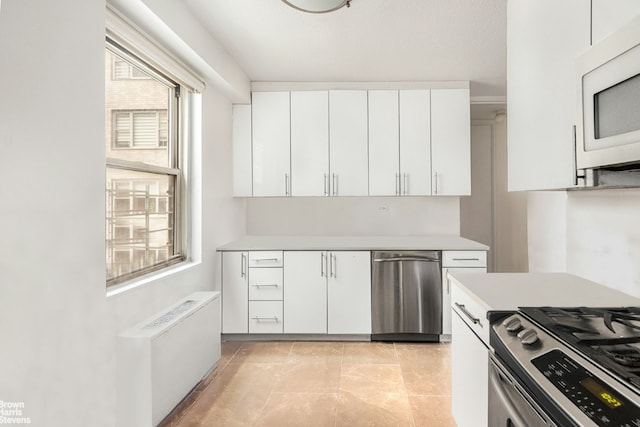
(317, 6)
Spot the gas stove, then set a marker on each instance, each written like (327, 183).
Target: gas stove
(580, 364)
(608, 336)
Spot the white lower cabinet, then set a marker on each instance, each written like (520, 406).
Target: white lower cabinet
(458, 262)
(235, 292)
(469, 376)
(305, 295)
(327, 292)
(265, 317)
(349, 293)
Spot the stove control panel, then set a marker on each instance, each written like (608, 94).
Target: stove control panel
(603, 405)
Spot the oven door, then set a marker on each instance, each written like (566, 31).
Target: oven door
(509, 404)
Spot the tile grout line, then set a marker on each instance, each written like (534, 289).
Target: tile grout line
(404, 385)
(335, 418)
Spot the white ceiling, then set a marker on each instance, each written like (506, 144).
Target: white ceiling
(373, 40)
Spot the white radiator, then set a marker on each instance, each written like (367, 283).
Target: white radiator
(163, 358)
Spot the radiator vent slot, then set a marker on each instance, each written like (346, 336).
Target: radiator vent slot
(172, 314)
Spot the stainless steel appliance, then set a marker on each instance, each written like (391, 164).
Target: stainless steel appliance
(406, 296)
(574, 366)
(608, 130)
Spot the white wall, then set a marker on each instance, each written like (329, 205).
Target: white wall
(510, 210)
(58, 326)
(603, 237)
(56, 354)
(591, 233)
(353, 215)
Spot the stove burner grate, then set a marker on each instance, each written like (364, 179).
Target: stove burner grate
(625, 355)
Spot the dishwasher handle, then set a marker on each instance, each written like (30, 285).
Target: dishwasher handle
(406, 258)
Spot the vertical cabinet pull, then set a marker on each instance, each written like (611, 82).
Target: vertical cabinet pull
(334, 181)
(286, 184)
(397, 184)
(404, 183)
(332, 265)
(324, 181)
(435, 187)
(242, 265)
(321, 264)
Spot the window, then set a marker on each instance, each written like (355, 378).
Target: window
(144, 174)
(140, 128)
(122, 70)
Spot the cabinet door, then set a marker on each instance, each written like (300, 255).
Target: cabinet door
(451, 142)
(349, 293)
(543, 39)
(242, 151)
(310, 143)
(609, 15)
(271, 144)
(235, 293)
(348, 140)
(446, 294)
(415, 142)
(469, 376)
(305, 292)
(384, 153)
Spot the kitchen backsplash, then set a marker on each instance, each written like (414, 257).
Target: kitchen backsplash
(353, 216)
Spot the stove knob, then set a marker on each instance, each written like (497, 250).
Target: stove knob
(528, 336)
(512, 324)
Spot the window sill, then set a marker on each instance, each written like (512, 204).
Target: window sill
(138, 282)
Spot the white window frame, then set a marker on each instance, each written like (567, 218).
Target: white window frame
(142, 48)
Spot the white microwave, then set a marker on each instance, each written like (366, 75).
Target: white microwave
(608, 130)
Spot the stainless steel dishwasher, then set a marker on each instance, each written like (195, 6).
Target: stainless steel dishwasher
(406, 296)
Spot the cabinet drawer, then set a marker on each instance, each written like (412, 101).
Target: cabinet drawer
(265, 259)
(265, 284)
(464, 258)
(471, 312)
(265, 317)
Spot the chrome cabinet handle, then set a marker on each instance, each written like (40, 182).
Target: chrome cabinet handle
(286, 184)
(321, 264)
(324, 181)
(466, 259)
(271, 318)
(334, 180)
(258, 285)
(332, 262)
(435, 188)
(404, 183)
(397, 184)
(242, 265)
(266, 259)
(466, 312)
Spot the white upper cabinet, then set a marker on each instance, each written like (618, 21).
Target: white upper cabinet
(450, 142)
(271, 144)
(609, 15)
(242, 151)
(310, 143)
(415, 142)
(384, 153)
(544, 37)
(348, 139)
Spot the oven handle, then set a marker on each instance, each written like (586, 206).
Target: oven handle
(496, 381)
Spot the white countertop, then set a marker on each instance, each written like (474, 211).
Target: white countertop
(508, 291)
(308, 243)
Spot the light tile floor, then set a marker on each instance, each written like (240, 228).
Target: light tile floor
(322, 384)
